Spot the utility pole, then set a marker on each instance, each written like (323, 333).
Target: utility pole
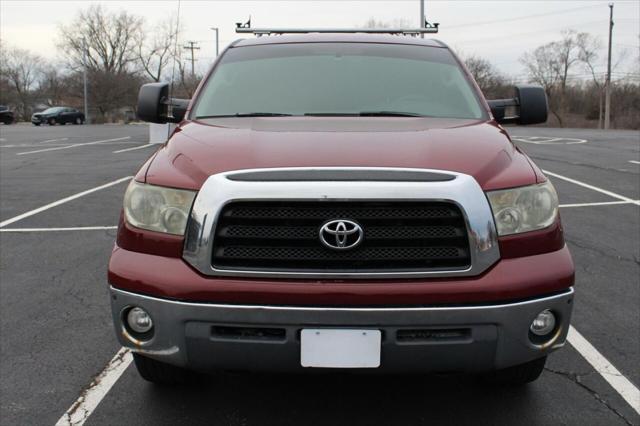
(84, 78)
(192, 46)
(607, 94)
(422, 17)
(217, 39)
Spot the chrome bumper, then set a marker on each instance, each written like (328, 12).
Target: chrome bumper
(497, 335)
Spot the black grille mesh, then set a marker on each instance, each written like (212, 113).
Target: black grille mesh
(284, 236)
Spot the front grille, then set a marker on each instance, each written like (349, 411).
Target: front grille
(284, 236)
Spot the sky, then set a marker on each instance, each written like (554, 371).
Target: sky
(500, 31)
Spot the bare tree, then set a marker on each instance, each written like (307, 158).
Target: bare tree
(589, 47)
(108, 41)
(107, 38)
(492, 83)
(155, 53)
(396, 23)
(52, 85)
(20, 70)
(550, 66)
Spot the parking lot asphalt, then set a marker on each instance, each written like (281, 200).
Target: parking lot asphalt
(56, 333)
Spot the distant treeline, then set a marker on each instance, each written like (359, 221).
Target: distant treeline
(122, 51)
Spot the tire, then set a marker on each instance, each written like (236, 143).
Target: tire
(519, 374)
(78, 120)
(161, 373)
(52, 122)
(36, 124)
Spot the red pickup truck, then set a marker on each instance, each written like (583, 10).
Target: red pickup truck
(340, 201)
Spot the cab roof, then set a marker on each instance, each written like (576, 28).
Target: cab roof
(338, 38)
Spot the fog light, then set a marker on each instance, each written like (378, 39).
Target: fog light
(139, 320)
(544, 323)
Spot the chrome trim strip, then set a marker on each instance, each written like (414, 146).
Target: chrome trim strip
(464, 191)
(569, 292)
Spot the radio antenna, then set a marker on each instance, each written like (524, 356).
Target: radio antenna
(173, 69)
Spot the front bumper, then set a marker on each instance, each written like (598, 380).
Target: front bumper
(482, 337)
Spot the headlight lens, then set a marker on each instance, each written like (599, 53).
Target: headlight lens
(157, 208)
(524, 209)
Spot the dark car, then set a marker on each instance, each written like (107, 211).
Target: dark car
(58, 115)
(6, 116)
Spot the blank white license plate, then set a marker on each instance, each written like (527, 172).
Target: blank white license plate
(340, 348)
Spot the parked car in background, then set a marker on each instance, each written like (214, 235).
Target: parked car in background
(58, 115)
(6, 115)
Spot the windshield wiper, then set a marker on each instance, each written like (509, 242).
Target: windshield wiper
(248, 114)
(366, 114)
(389, 114)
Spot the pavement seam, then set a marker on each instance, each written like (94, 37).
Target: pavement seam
(576, 378)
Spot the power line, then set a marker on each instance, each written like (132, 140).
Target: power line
(537, 32)
(518, 18)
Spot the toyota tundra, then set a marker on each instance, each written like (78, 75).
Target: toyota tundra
(340, 201)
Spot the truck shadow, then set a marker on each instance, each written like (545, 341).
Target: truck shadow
(346, 399)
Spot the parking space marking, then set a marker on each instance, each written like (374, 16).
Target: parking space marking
(76, 228)
(602, 203)
(55, 140)
(89, 399)
(62, 201)
(593, 188)
(73, 145)
(134, 148)
(634, 162)
(620, 383)
(548, 140)
(25, 145)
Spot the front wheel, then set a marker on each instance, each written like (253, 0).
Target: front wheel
(162, 373)
(519, 374)
(52, 122)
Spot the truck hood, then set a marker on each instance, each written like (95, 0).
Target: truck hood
(202, 148)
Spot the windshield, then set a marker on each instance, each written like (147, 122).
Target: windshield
(338, 79)
(51, 110)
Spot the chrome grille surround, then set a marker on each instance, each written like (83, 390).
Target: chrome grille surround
(221, 189)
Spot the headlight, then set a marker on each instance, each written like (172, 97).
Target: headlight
(157, 208)
(524, 209)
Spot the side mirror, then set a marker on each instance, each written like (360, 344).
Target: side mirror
(154, 102)
(529, 106)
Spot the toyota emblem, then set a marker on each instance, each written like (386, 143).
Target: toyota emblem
(341, 234)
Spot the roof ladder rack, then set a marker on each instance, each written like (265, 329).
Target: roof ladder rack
(245, 28)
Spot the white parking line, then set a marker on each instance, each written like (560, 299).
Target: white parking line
(73, 145)
(593, 188)
(75, 228)
(602, 203)
(27, 145)
(54, 140)
(548, 140)
(62, 201)
(634, 161)
(621, 384)
(134, 148)
(89, 399)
